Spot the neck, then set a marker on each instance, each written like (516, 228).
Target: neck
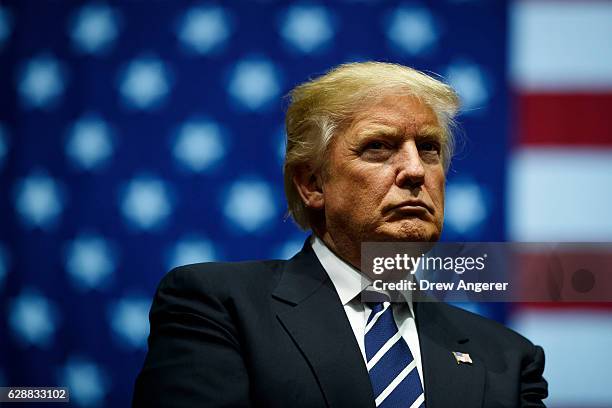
(347, 250)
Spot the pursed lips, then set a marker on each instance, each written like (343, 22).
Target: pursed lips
(412, 206)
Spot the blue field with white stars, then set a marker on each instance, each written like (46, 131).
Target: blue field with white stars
(139, 136)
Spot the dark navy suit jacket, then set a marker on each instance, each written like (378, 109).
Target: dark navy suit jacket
(275, 334)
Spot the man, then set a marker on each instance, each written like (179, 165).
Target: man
(368, 145)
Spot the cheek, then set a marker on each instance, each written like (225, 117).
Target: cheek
(438, 195)
(358, 195)
(436, 187)
(358, 192)
(373, 186)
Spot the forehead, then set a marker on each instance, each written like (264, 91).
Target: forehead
(397, 113)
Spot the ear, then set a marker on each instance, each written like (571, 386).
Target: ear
(309, 186)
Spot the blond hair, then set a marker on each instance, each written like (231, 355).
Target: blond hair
(321, 108)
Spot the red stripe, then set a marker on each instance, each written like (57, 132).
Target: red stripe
(564, 119)
(565, 278)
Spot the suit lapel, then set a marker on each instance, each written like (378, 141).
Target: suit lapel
(447, 383)
(318, 325)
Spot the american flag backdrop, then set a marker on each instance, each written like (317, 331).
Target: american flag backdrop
(136, 136)
(559, 176)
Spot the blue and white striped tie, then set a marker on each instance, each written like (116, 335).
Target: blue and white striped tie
(393, 373)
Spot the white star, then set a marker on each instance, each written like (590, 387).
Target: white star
(86, 381)
(204, 29)
(89, 144)
(4, 263)
(199, 144)
(38, 200)
(6, 25)
(145, 203)
(144, 83)
(465, 206)
(94, 28)
(41, 82)
(307, 28)
(249, 205)
(254, 83)
(471, 84)
(4, 144)
(90, 261)
(33, 318)
(129, 319)
(191, 250)
(412, 30)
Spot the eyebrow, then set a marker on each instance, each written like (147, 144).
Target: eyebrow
(378, 129)
(432, 131)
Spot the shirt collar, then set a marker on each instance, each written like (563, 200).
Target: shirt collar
(348, 281)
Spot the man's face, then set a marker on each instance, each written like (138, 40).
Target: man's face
(385, 177)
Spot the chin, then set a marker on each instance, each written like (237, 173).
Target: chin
(413, 231)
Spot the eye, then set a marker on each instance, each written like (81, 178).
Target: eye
(375, 145)
(429, 146)
(376, 150)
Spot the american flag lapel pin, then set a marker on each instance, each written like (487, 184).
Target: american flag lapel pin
(462, 358)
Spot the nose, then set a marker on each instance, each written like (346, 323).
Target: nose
(410, 169)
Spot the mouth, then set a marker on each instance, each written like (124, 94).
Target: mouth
(413, 207)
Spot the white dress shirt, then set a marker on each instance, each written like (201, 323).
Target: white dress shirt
(349, 282)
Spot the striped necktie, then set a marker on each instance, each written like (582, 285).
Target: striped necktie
(392, 368)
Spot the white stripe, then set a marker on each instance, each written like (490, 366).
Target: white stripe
(376, 316)
(418, 401)
(577, 348)
(561, 45)
(400, 377)
(560, 195)
(383, 350)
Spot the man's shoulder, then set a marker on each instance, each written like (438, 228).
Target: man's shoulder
(223, 277)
